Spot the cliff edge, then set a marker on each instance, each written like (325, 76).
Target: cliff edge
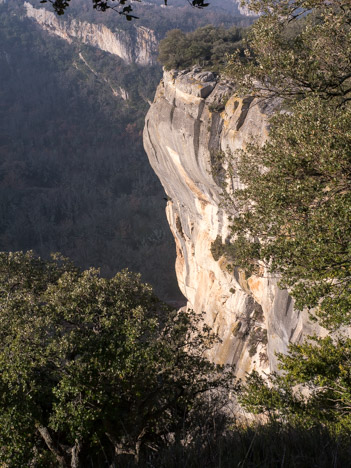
(194, 118)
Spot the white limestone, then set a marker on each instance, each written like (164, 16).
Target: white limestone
(138, 45)
(253, 317)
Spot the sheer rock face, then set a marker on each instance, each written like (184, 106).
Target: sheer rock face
(137, 45)
(186, 129)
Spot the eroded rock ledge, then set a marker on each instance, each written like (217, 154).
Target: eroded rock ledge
(194, 117)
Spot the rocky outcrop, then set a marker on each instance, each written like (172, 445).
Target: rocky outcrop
(137, 45)
(194, 118)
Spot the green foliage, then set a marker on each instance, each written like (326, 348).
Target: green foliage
(95, 368)
(297, 48)
(299, 206)
(217, 248)
(313, 388)
(207, 46)
(294, 210)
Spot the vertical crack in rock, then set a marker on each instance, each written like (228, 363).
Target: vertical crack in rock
(197, 127)
(214, 147)
(150, 140)
(172, 110)
(179, 227)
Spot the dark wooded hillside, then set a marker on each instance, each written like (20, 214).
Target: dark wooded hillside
(74, 176)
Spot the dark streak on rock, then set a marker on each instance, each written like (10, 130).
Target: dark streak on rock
(214, 146)
(179, 227)
(172, 110)
(288, 305)
(148, 133)
(292, 332)
(244, 110)
(197, 126)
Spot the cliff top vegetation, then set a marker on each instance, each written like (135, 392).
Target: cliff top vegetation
(207, 46)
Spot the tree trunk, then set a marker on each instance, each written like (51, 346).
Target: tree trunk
(53, 447)
(75, 454)
(118, 447)
(138, 445)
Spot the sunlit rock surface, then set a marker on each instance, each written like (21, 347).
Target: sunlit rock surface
(186, 129)
(137, 45)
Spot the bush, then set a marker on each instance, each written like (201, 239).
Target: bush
(207, 46)
(96, 369)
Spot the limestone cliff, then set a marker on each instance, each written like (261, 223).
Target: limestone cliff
(137, 45)
(186, 128)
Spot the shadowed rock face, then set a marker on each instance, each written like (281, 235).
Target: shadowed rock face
(186, 129)
(138, 45)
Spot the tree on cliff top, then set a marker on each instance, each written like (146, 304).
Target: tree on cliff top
(94, 368)
(207, 46)
(296, 48)
(294, 212)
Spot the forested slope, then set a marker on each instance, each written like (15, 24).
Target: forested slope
(74, 176)
(73, 173)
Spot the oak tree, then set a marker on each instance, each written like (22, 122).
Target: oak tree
(93, 369)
